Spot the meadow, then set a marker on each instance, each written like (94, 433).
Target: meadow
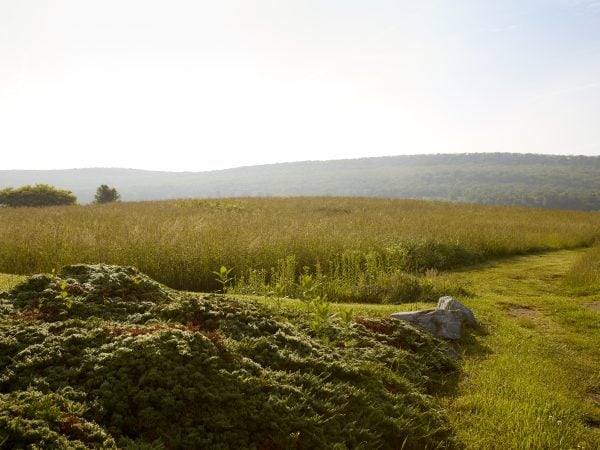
(370, 250)
(524, 272)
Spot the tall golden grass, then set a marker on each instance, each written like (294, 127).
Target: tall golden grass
(584, 277)
(180, 242)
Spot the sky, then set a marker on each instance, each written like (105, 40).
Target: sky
(202, 85)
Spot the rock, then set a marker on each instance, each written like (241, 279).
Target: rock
(439, 322)
(449, 303)
(445, 321)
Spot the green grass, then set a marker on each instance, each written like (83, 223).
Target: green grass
(357, 309)
(527, 382)
(358, 247)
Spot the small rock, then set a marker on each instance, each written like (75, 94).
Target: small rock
(449, 303)
(439, 322)
(445, 321)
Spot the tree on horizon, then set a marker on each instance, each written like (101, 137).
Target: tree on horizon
(106, 194)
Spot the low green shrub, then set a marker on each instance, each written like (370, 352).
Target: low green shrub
(38, 195)
(143, 365)
(31, 419)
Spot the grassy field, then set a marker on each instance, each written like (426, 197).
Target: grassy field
(530, 376)
(538, 310)
(516, 392)
(356, 249)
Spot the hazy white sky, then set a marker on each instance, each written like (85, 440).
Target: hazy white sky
(200, 85)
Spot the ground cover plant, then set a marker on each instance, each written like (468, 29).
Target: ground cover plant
(375, 250)
(104, 357)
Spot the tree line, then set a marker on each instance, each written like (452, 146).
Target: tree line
(46, 195)
(548, 181)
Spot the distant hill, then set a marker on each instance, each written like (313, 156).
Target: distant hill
(569, 182)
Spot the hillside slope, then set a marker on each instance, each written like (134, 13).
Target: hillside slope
(570, 182)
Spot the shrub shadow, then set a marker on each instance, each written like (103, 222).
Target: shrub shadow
(470, 345)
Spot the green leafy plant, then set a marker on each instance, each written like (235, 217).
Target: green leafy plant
(346, 315)
(279, 294)
(307, 287)
(321, 314)
(223, 278)
(64, 294)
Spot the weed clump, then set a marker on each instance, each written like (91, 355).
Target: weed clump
(130, 363)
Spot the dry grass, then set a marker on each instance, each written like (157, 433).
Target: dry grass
(181, 242)
(584, 277)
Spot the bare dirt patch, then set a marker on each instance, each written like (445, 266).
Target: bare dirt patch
(594, 396)
(594, 306)
(523, 312)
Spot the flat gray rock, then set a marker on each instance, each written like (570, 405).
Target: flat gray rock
(445, 321)
(441, 323)
(451, 304)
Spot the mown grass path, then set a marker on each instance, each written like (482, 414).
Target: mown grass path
(531, 377)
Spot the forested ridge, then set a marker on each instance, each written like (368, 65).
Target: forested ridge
(569, 182)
